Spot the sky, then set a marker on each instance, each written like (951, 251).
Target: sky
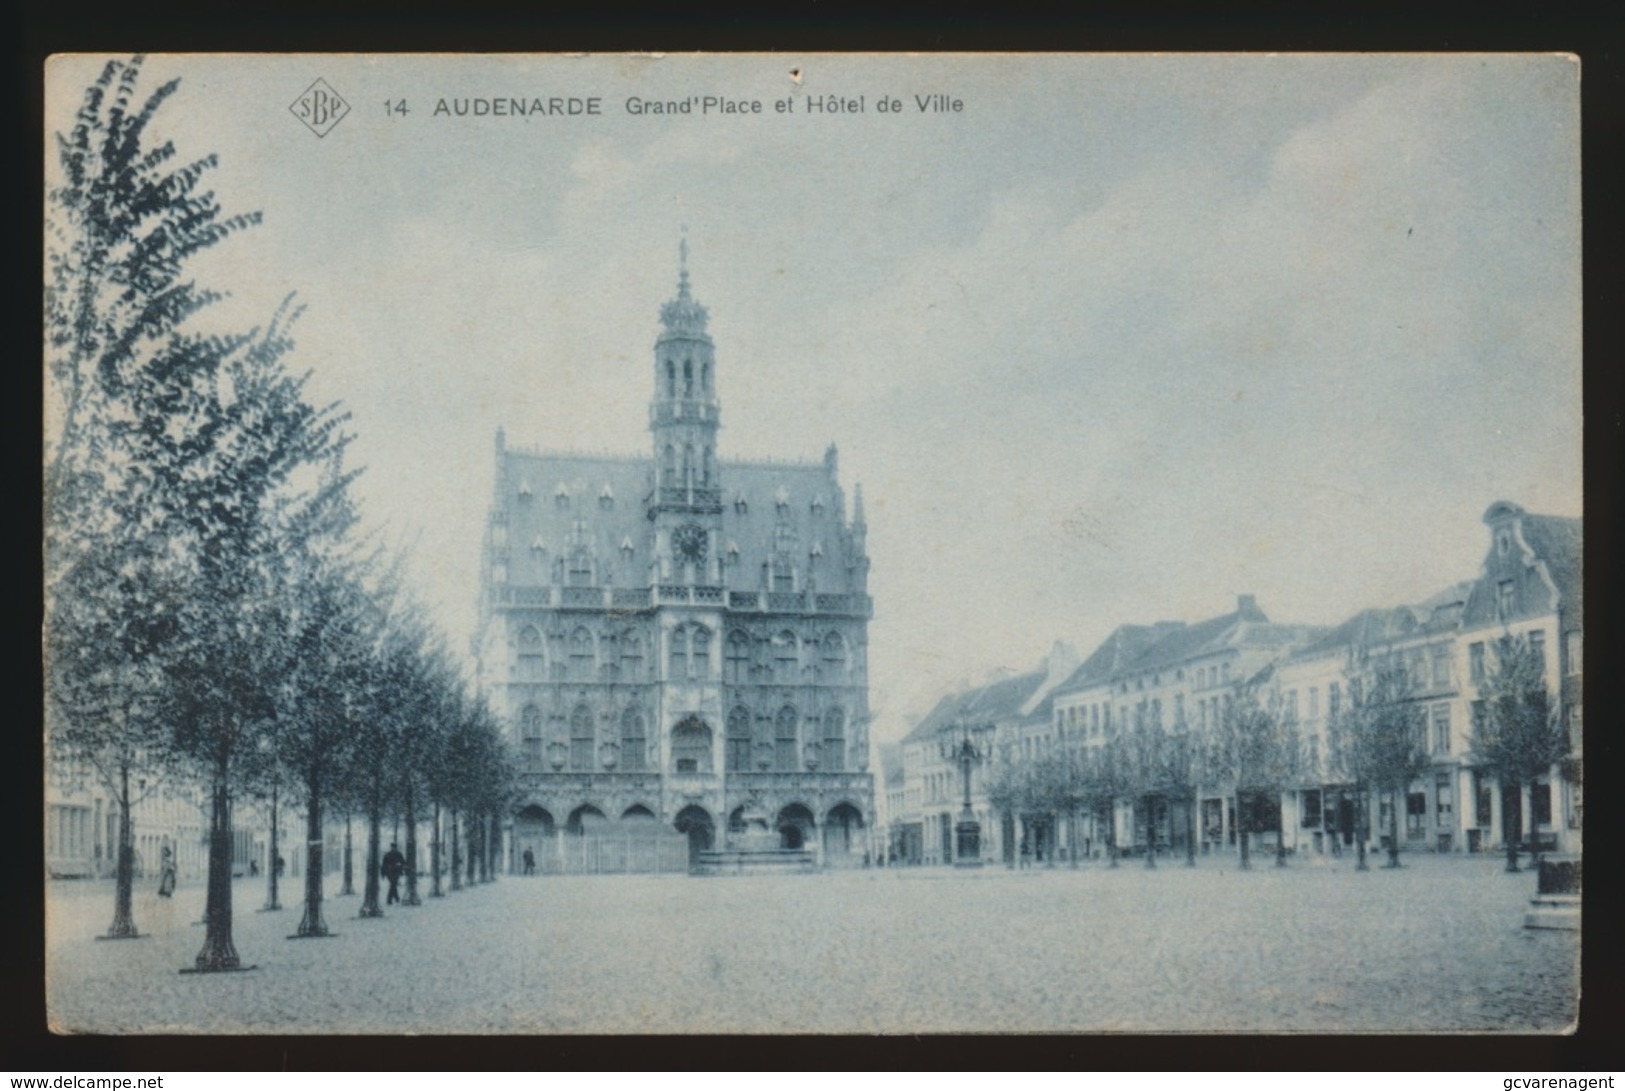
(1119, 339)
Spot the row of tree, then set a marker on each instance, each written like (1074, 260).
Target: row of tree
(1377, 748)
(214, 622)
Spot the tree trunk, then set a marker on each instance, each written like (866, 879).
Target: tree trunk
(123, 926)
(369, 899)
(1150, 835)
(1111, 835)
(1072, 838)
(1241, 830)
(311, 924)
(485, 848)
(434, 855)
(1395, 800)
(495, 853)
(456, 855)
(219, 953)
(1511, 821)
(271, 902)
(411, 851)
(1190, 830)
(1362, 832)
(348, 889)
(1280, 837)
(473, 832)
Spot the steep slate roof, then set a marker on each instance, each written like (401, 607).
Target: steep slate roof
(891, 762)
(985, 704)
(1126, 643)
(1559, 541)
(538, 515)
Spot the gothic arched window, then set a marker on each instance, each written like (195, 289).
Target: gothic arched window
(688, 378)
(531, 664)
(784, 740)
(834, 756)
(677, 668)
(581, 739)
(739, 740)
(632, 655)
(834, 657)
(691, 747)
(785, 660)
(581, 657)
(668, 467)
(671, 378)
(634, 743)
(699, 652)
(530, 736)
(708, 468)
(688, 464)
(736, 665)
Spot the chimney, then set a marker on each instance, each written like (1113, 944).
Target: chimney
(1246, 604)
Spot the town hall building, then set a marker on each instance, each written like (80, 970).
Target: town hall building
(675, 640)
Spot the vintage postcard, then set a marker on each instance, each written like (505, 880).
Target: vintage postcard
(758, 543)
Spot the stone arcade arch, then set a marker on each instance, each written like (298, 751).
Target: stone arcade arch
(797, 827)
(533, 829)
(585, 819)
(694, 822)
(843, 835)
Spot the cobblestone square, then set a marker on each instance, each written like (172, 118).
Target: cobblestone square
(1436, 946)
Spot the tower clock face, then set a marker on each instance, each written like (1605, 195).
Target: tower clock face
(689, 541)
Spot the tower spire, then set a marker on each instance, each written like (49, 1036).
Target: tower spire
(682, 316)
(682, 265)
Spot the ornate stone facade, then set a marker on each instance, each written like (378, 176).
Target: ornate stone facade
(672, 636)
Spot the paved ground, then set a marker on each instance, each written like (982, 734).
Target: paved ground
(1437, 946)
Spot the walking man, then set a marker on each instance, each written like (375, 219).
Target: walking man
(393, 866)
(530, 862)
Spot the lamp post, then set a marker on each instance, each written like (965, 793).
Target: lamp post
(967, 831)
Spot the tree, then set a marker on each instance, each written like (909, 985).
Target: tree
(1103, 779)
(1185, 770)
(1007, 786)
(1518, 736)
(265, 484)
(123, 219)
(1378, 741)
(1254, 750)
(1145, 771)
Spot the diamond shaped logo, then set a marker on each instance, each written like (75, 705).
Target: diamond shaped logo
(320, 108)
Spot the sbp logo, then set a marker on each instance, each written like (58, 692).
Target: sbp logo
(320, 108)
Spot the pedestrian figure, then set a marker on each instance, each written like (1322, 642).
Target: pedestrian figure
(394, 864)
(253, 867)
(166, 873)
(530, 862)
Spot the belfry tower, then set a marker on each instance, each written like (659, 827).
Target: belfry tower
(684, 416)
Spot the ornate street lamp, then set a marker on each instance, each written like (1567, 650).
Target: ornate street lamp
(967, 831)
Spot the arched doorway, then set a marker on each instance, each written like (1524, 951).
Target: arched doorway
(533, 832)
(694, 822)
(843, 835)
(585, 819)
(796, 827)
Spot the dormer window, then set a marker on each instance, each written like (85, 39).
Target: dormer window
(626, 546)
(740, 505)
(524, 489)
(606, 496)
(733, 552)
(818, 504)
(538, 546)
(561, 495)
(818, 549)
(781, 498)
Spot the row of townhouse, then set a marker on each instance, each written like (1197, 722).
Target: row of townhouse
(1178, 674)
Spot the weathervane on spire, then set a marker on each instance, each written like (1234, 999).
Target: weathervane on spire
(682, 315)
